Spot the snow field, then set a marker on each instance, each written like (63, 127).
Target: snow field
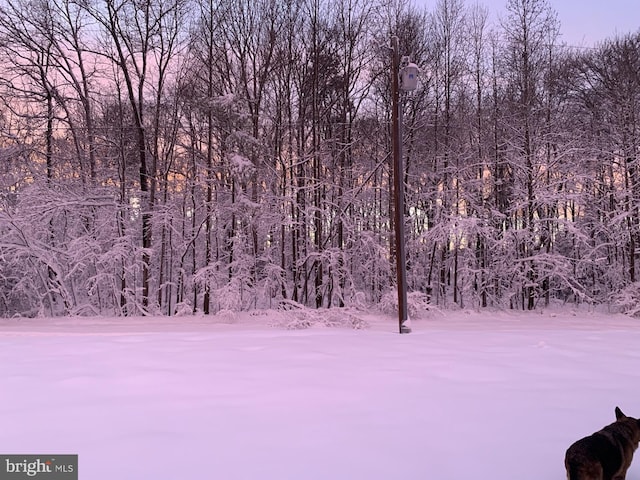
(465, 395)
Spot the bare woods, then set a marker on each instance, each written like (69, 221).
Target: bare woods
(178, 156)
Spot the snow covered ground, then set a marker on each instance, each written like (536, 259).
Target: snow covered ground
(465, 396)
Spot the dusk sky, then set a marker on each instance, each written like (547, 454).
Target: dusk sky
(583, 22)
(586, 22)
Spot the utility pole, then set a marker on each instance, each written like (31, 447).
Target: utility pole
(403, 77)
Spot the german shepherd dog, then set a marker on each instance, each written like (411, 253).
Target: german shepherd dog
(607, 454)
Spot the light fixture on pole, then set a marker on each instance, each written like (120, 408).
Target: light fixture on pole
(404, 76)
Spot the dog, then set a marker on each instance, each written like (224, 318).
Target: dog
(607, 454)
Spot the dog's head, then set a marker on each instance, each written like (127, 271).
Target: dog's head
(632, 424)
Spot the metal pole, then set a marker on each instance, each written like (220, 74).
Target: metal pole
(398, 189)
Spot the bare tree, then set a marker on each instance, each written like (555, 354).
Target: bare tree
(140, 40)
(529, 27)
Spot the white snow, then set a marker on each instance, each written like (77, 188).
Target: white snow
(240, 163)
(465, 396)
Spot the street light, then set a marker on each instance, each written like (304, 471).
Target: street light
(404, 76)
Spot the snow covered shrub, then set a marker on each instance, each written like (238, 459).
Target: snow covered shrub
(298, 321)
(273, 284)
(294, 316)
(226, 316)
(417, 304)
(183, 309)
(291, 316)
(342, 318)
(229, 296)
(18, 294)
(358, 300)
(369, 265)
(628, 300)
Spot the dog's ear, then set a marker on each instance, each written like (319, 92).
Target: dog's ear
(619, 414)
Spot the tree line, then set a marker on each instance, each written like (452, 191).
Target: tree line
(179, 156)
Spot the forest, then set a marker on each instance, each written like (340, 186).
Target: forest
(196, 156)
